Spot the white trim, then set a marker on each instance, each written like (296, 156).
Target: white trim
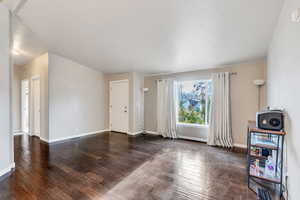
(7, 170)
(152, 132)
(119, 81)
(30, 134)
(192, 138)
(36, 77)
(32, 93)
(13, 165)
(74, 136)
(18, 133)
(135, 133)
(196, 139)
(23, 81)
(240, 146)
(192, 125)
(43, 139)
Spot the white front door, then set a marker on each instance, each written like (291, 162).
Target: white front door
(36, 99)
(119, 106)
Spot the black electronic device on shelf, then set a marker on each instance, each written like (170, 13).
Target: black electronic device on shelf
(270, 120)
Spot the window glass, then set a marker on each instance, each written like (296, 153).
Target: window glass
(194, 99)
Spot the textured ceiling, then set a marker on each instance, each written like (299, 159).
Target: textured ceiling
(153, 36)
(25, 43)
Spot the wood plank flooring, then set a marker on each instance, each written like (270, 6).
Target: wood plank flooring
(113, 166)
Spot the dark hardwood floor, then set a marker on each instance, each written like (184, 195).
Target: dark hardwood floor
(113, 166)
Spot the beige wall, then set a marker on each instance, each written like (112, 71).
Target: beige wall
(38, 68)
(283, 89)
(138, 102)
(6, 136)
(77, 99)
(244, 97)
(16, 99)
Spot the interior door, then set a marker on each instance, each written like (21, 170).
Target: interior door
(36, 106)
(25, 106)
(119, 100)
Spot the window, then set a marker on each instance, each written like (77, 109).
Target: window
(194, 99)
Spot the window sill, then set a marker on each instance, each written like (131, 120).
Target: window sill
(192, 125)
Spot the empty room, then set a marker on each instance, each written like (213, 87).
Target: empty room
(144, 100)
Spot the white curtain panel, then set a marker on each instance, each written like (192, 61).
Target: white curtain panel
(220, 124)
(166, 108)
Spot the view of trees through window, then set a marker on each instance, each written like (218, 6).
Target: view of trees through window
(194, 98)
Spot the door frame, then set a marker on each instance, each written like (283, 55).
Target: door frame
(110, 102)
(32, 129)
(22, 106)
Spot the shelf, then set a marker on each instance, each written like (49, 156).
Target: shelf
(252, 128)
(262, 177)
(258, 183)
(263, 143)
(265, 146)
(258, 156)
(273, 180)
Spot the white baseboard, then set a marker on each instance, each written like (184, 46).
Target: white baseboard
(13, 165)
(73, 136)
(192, 138)
(135, 133)
(18, 133)
(240, 146)
(152, 132)
(196, 139)
(7, 170)
(45, 140)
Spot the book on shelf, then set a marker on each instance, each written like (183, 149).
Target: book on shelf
(260, 172)
(261, 140)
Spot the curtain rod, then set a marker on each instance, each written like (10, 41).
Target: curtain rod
(230, 73)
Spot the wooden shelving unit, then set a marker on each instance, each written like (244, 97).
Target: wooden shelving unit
(267, 140)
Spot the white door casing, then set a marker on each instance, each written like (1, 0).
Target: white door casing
(119, 106)
(25, 105)
(36, 101)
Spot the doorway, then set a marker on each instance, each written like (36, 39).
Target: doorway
(36, 111)
(25, 106)
(119, 106)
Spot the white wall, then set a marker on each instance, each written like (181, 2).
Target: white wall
(16, 99)
(244, 97)
(38, 67)
(6, 136)
(77, 99)
(283, 88)
(138, 102)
